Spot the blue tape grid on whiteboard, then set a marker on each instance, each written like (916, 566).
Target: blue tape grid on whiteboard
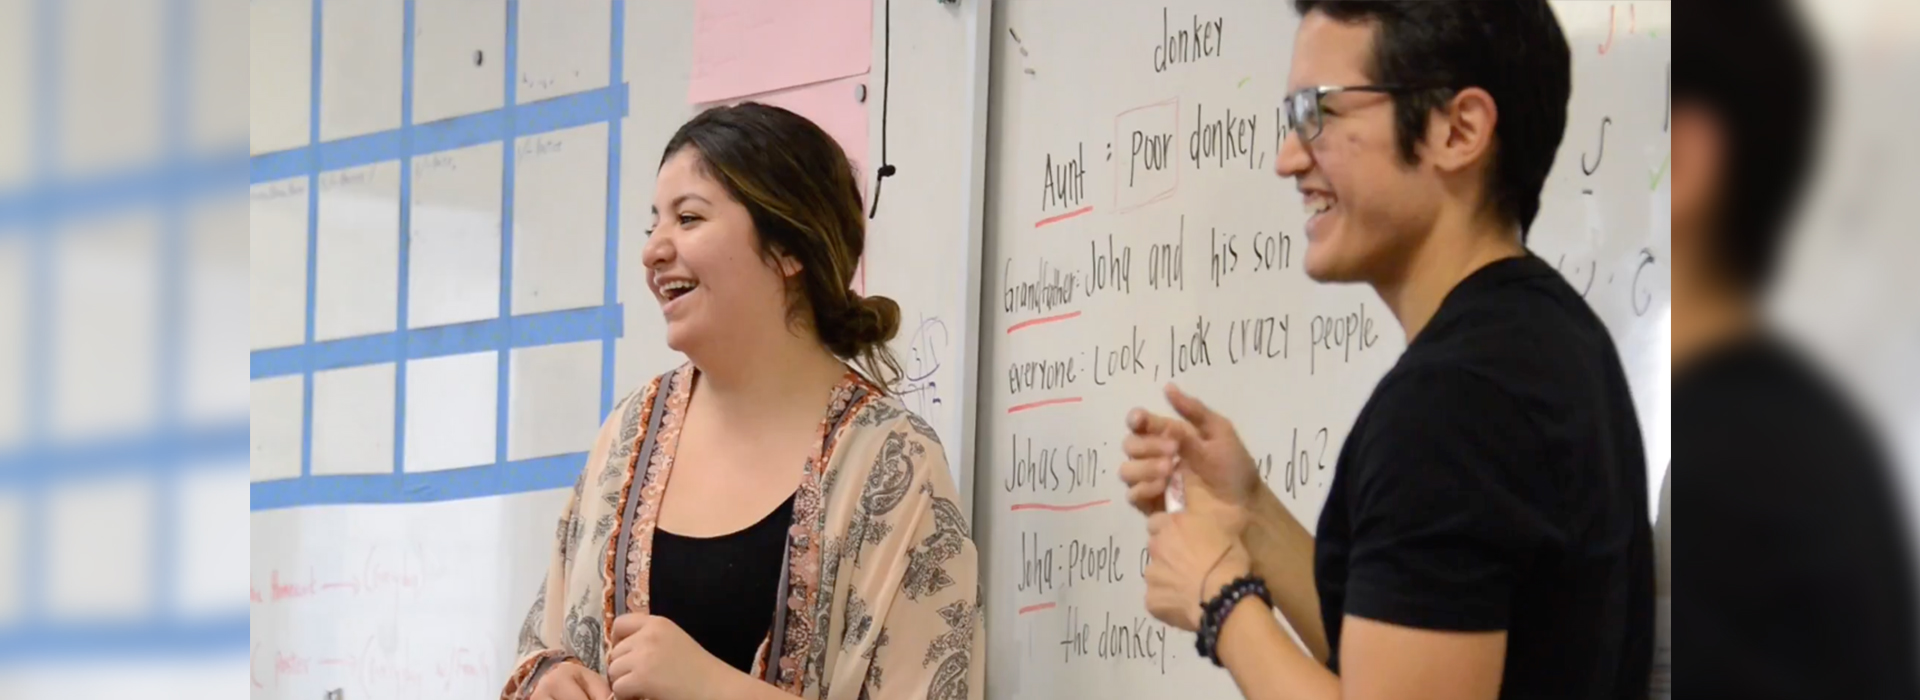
(501, 334)
(165, 450)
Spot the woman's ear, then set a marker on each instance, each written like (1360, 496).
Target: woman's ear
(788, 265)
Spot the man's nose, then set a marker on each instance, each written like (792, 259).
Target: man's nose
(1294, 159)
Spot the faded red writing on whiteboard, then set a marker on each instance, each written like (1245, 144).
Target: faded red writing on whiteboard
(463, 663)
(389, 676)
(283, 591)
(389, 670)
(381, 570)
(403, 673)
(379, 574)
(285, 664)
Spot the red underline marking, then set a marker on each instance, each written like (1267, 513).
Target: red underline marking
(1036, 607)
(1037, 321)
(1062, 217)
(1042, 404)
(1059, 509)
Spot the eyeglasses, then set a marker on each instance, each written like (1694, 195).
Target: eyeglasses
(1303, 106)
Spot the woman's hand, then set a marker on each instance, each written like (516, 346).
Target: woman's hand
(1201, 442)
(1190, 556)
(654, 659)
(571, 681)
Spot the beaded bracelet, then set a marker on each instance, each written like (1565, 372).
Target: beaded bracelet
(1213, 613)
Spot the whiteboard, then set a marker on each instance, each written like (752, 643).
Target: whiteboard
(1105, 278)
(447, 207)
(123, 263)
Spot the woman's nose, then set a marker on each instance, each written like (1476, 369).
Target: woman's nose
(657, 251)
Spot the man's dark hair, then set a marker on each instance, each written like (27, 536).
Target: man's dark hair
(1513, 50)
(1758, 73)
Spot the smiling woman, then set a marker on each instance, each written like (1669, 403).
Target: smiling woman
(766, 521)
(782, 188)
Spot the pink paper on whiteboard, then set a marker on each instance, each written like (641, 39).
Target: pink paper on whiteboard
(747, 47)
(836, 107)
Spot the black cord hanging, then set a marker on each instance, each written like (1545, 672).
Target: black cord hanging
(886, 52)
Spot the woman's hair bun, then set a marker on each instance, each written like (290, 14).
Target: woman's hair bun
(869, 321)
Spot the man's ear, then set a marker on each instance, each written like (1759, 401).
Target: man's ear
(1698, 155)
(1461, 133)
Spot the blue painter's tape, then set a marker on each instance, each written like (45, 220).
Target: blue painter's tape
(616, 72)
(116, 639)
(49, 68)
(165, 534)
(404, 285)
(40, 286)
(568, 111)
(170, 449)
(153, 185)
(464, 131)
(504, 383)
(579, 109)
(501, 479)
(530, 330)
(165, 452)
(310, 165)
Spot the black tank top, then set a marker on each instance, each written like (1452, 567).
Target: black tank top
(721, 589)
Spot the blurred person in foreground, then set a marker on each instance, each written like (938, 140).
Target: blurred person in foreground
(1487, 532)
(1801, 585)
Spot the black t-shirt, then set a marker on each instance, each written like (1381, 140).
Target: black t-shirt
(1801, 584)
(721, 590)
(1496, 480)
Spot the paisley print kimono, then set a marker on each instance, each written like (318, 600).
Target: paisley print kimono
(881, 597)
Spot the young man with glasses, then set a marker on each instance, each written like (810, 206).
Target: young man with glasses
(1486, 534)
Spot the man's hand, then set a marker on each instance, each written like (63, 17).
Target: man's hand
(1189, 557)
(654, 659)
(571, 681)
(1200, 441)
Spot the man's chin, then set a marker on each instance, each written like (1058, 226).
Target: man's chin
(1330, 271)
